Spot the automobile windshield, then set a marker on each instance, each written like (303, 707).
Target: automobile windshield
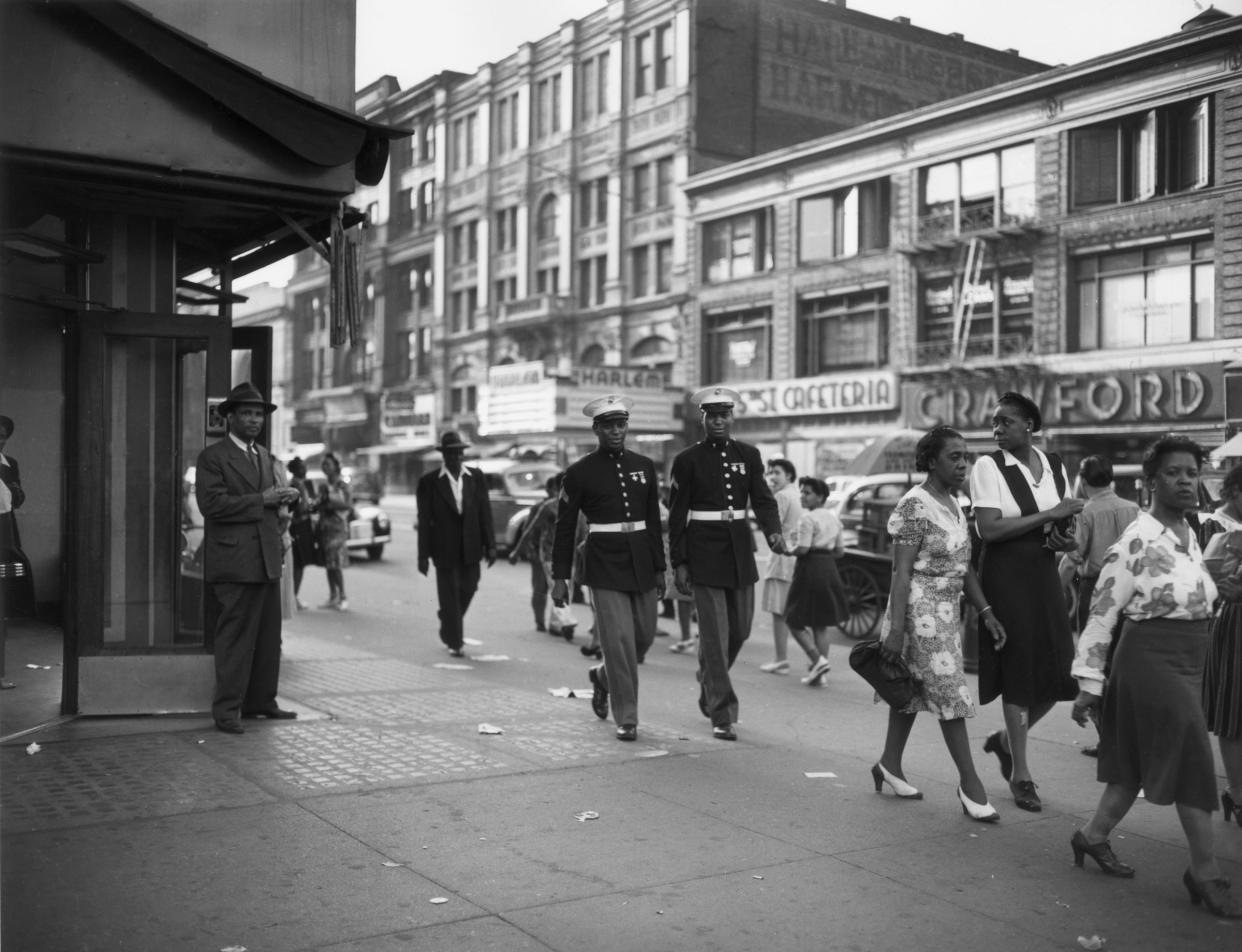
(527, 482)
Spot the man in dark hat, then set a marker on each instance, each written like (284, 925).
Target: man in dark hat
(619, 494)
(455, 532)
(239, 496)
(713, 484)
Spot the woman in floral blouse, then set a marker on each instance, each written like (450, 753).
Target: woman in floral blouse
(1153, 735)
(922, 624)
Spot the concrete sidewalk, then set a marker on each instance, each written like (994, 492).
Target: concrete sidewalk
(382, 819)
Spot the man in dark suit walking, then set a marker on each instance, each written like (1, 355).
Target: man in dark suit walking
(241, 503)
(712, 549)
(455, 532)
(623, 564)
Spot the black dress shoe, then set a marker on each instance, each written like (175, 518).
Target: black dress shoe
(599, 696)
(230, 727)
(627, 733)
(457, 652)
(993, 746)
(724, 733)
(1024, 796)
(274, 713)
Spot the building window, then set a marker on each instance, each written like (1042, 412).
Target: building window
(462, 305)
(840, 224)
(465, 139)
(424, 274)
(427, 202)
(402, 153)
(664, 181)
(651, 269)
(738, 345)
(423, 365)
(664, 266)
(594, 85)
(653, 60)
(640, 198)
(547, 117)
(640, 271)
(592, 273)
(506, 134)
(506, 229)
(403, 212)
(991, 317)
(1158, 152)
(427, 138)
(464, 243)
(545, 221)
(738, 246)
(593, 203)
(978, 193)
(842, 332)
(1139, 297)
(506, 289)
(463, 399)
(548, 281)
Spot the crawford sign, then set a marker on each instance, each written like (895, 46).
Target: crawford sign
(806, 396)
(1162, 396)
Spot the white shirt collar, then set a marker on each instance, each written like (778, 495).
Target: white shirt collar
(465, 471)
(240, 443)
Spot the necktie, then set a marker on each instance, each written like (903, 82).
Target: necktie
(254, 457)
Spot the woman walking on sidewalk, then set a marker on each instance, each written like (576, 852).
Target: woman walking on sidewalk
(817, 599)
(334, 507)
(1153, 734)
(922, 624)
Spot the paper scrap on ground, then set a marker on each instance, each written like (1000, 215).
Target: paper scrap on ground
(438, 900)
(653, 753)
(489, 729)
(234, 948)
(815, 776)
(453, 667)
(586, 815)
(471, 641)
(389, 863)
(33, 749)
(570, 692)
(491, 657)
(1092, 944)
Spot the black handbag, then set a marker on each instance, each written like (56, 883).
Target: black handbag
(892, 680)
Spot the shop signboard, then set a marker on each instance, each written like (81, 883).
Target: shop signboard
(863, 391)
(407, 416)
(518, 398)
(1162, 397)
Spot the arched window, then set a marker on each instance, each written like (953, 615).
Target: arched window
(653, 350)
(546, 221)
(593, 356)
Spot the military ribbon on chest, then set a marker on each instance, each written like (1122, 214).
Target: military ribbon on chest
(638, 476)
(736, 468)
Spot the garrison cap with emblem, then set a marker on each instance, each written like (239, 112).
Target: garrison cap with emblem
(716, 398)
(602, 408)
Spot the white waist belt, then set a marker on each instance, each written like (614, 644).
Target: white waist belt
(617, 526)
(717, 515)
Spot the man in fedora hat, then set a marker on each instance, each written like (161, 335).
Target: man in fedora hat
(711, 547)
(455, 532)
(623, 565)
(240, 497)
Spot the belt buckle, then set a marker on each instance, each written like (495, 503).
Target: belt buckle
(627, 526)
(726, 515)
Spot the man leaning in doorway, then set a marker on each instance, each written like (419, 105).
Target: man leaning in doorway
(455, 532)
(241, 503)
(712, 549)
(623, 563)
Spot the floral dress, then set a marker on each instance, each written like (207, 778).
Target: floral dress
(933, 643)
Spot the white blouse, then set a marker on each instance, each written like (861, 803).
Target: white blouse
(819, 529)
(1147, 574)
(988, 489)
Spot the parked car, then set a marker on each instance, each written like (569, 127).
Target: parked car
(370, 529)
(882, 488)
(511, 488)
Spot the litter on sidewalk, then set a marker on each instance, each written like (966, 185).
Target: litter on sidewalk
(570, 692)
(813, 775)
(489, 729)
(586, 815)
(447, 666)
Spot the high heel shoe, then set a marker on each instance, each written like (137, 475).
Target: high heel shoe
(1230, 807)
(981, 812)
(992, 745)
(900, 787)
(1102, 853)
(1215, 894)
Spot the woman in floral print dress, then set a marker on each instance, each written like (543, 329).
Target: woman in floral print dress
(922, 624)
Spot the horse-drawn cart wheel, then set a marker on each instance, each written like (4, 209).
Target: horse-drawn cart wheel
(865, 601)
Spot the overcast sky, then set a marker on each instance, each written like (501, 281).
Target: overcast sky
(412, 39)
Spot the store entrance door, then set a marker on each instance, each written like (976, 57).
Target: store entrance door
(140, 393)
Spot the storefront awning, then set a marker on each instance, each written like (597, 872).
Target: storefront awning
(1230, 449)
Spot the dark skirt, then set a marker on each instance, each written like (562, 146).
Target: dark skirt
(1019, 579)
(816, 596)
(1152, 731)
(302, 533)
(1222, 678)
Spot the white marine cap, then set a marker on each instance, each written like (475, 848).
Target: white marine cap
(612, 405)
(716, 398)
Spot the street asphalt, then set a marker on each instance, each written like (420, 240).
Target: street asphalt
(389, 816)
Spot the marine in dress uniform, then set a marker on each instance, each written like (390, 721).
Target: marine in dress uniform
(623, 565)
(711, 548)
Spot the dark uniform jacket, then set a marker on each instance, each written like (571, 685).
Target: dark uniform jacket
(715, 476)
(446, 537)
(611, 487)
(241, 538)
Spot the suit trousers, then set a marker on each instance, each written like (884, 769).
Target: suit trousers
(626, 624)
(247, 648)
(455, 588)
(725, 617)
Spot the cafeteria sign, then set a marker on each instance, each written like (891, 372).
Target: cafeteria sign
(832, 393)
